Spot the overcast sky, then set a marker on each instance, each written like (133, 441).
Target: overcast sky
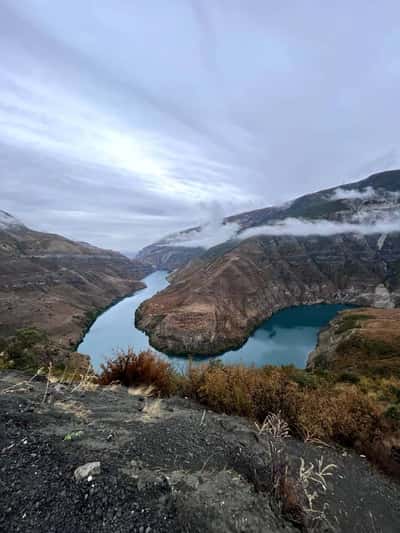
(124, 120)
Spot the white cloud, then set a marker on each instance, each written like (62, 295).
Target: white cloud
(353, 194)
(211, 233)
(207, 236)
(303, 228)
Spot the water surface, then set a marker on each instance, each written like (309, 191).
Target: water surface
(286, 338)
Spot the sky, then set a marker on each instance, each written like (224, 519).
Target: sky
(122, 121)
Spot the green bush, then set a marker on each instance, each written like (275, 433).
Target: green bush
(350, 321)
(396, 392)
(26, 347)
(349, 377)
(393, 412)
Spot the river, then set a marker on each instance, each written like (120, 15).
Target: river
(286, 338)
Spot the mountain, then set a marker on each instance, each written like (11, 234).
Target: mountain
(337, 245)
(56, 284)
(370, 198)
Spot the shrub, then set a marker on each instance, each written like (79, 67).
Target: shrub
(396, 392)
(26, 348)
(349, 377)
(393, 412)
(351, 321)
(145, 368)
(315, 406)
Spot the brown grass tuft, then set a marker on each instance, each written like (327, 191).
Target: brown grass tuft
(317, 407)
(131, 369)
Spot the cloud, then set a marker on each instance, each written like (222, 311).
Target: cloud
(144, 112)
(207, 236)
(304, 228)
(211, 233)
(354, 194)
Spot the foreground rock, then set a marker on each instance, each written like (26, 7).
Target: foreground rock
(57, 284)
(169, 466)
(87, 471)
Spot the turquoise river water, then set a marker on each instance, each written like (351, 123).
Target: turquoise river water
(286, 338)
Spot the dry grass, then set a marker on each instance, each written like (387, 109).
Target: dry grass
(142, 390)
(74, 408)
(152, 409)
(132, 370)
(319, 408)
(274, 425)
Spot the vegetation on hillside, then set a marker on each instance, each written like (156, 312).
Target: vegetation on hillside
(30, 349)
(347, 409)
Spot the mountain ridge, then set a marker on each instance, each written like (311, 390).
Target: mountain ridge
(167, 253)
(55, 284)
(216, 299)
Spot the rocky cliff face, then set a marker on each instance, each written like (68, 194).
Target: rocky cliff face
(53, 283)
(163, 257)
(217, 299)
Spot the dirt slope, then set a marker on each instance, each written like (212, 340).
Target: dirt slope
(164, 466)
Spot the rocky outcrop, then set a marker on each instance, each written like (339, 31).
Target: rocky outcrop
(216, 301)
(57, 284)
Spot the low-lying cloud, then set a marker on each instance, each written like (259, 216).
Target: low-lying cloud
(354, 194)
(303, 228)
(207, 236)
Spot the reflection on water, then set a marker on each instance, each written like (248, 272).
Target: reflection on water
(286, 338)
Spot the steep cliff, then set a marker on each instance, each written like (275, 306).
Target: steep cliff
(56, 284)
(217, 299)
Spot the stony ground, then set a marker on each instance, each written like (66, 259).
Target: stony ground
(165, 466)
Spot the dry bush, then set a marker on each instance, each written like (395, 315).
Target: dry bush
(345, 416)
(312, 406)
(131, 369)
(315, 408)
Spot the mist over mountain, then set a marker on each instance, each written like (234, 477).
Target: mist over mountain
(367, 207)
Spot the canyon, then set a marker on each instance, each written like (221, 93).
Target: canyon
(217, 298)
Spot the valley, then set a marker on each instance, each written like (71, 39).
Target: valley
(218, 298)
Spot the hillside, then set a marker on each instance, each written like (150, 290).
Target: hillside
(55, 284)
(208, 473)
(344, 249)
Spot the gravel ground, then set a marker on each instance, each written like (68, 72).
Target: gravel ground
(165, 465)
